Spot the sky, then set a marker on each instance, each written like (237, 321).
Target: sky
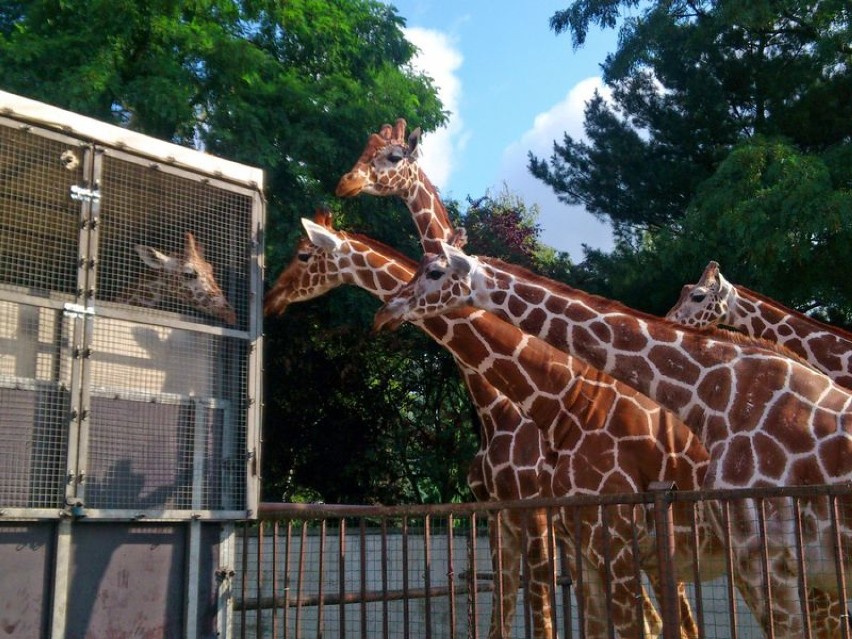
(511, 86)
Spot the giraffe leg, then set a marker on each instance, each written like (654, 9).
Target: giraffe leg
(540, 573)
(506, 566)
(688, 625)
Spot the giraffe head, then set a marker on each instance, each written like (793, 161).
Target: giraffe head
(442, 282)
(387, 166)
(185, 277)
(311, 272)
(325, 259)
(703, 304)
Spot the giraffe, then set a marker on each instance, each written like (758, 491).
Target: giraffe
(714, 301)
(511, 458)
(766, 418)
(388, 166)
(184, 278)
(330, 257)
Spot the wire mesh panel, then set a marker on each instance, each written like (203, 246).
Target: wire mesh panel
(129, 313)
(39, 220)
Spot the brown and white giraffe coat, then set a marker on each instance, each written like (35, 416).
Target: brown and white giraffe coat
(766, 419)
(714, 301)
(608, 437)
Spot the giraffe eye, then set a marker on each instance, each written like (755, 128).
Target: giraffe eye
(304, 257)
(434, 274)
(396, 155)
(699, 298)
(190, 275)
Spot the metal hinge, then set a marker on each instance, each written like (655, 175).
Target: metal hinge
(77, 310)
(84, 194)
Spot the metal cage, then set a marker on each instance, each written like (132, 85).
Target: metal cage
(130, 358)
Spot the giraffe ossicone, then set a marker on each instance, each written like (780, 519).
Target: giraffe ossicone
(186, 278)
(714, 301)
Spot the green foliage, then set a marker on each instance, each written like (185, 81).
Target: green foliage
(295, 88)
(689, 81)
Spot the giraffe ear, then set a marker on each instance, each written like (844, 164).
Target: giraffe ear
(458, 238)
(151, 256)
(414, 144)
(321, 236)
(457, 259)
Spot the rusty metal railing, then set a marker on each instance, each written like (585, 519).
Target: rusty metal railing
(318, 570)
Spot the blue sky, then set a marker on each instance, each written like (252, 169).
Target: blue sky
(512, 86)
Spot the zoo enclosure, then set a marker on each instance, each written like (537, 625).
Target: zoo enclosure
(129, 418)
(314, 570)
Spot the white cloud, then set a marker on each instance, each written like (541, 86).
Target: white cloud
(440, 58)
(564, 227)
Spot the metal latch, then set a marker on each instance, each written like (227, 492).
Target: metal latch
(84, 194)
(77, 310)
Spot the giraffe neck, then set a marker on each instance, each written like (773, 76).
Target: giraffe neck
(428, 212)
(826, 347)
(501, 420)
(720, 386)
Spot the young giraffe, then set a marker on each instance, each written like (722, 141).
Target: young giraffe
(714, 301)
(185, 278)
(766, 418)
(388, 166)
(359, 260)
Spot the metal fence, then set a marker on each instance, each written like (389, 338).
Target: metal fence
(398, 572)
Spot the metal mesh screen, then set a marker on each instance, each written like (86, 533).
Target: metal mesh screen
(39, 222)
(126, 315)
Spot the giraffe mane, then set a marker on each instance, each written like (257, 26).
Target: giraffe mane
(792, 311)
(610, 305)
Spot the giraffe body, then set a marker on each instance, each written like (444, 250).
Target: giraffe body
(184, 279)
(571, 411)
(714, 301)
(765, 418)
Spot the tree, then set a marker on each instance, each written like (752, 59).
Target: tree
(294, 88)
(690, 80)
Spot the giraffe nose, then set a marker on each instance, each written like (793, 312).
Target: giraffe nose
(349, 185)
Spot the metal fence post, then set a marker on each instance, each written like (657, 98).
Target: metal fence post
(664, 525)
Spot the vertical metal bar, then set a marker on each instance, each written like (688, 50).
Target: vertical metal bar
(259, 578)
(764, 564)
(193, 578)
(578, 562)
(61, 581)
(664, 524)
(567, 608)
(275, 592)
(405, 616)
(341, 568)
(496, 521)
(451, 576)
(227, 557)
(802, 569)
(427, 575)
(287, 581)
(552, 563)
(729, 568)
(363, 534)
(321, 577)
(385, 606)
(244, 580)
(696, 563)
(525, 572)
(302, 550)
(473, 630)
(839, 567)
